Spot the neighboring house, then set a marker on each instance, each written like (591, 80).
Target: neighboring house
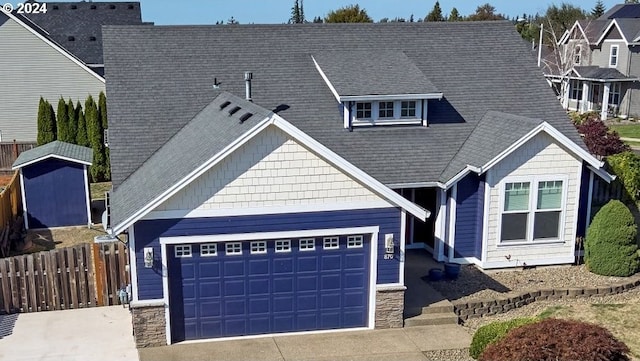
(55, 185)
(597, 64)
(269, 178)
(58, 53)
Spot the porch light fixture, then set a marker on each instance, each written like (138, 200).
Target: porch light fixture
(148, 257)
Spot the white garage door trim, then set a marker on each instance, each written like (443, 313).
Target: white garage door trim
(373, 230)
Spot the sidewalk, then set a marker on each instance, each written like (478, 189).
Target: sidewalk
(389, 344)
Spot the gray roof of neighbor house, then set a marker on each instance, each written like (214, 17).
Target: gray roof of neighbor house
(71, 152)
(77, 26)
(381, 72)
(209, 132)
(598, 73)
(622, 11)
(160, 77)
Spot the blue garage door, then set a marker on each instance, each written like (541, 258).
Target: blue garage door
(255, 287)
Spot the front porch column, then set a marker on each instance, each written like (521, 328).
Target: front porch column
(605, 101)
(441, 225)
(584, 102)
(565, 89)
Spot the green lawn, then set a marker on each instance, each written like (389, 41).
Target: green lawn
(97, 189)
(627, 130)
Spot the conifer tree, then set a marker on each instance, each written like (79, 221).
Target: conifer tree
(62, 122)
(435, 14)
(455, 15)
(94, 132)
(598, 10)
(102, 111)
(81, 135)
(46, 123)
(73, 122)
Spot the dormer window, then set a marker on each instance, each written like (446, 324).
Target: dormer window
(363, 110)
(408, 109)
(385, 110)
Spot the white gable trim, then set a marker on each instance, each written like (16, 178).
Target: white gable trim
(50, 156)
(594, 163)
(335, 160)
(608, 28)
(326, 79)
(53, 45)
(567, 34)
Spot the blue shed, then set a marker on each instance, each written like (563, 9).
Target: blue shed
(55, 185)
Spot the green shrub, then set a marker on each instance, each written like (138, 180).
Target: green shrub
(610, 247)
(558, 340)
(493, 332)
(627, 167)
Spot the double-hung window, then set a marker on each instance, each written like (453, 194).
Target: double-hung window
(532, 211)
(613, 56)
(576, 90)
(577, 54)
(614, 94)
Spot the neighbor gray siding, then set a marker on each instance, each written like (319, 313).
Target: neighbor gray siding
(29, 69)
(600, 56)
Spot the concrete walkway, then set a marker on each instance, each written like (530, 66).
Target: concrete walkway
(96, 334)
(390, 344)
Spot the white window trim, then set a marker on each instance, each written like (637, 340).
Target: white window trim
(397, 110)
(533, 198)
(611, 64)
(329, 240)
(355, 241)
(212, 249)
(260, 245)
(282, 243)
(179, 251)
(308, 241)
(577, 55)
(230, 245)
(577, 89)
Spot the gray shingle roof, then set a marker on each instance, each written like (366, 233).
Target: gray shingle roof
(379, 73)
(596, 72)
(621, 11)
(83, 21)
(57, 148)
(593, 28)
(630, 28)
(198, 141)
(159, 77)
(488, 140)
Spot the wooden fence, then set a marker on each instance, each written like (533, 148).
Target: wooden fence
(66, 278)
(10, 151)
(10, 209)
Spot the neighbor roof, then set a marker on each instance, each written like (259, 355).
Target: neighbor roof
(597, 73)
(159, 77)
(76, 26)
(56, 149)
(620, 11)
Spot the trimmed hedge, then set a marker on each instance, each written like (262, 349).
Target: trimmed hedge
(493, 332)
(627, 167)
(558, 340)
(611, 248)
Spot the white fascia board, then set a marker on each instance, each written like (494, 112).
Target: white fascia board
(602, 174)
(456, 178)
(54, 45)
(218, 157)
(340, 163)
(608, 28)
(326, 79)
(566, 36)
(51, 156)
(370, 98)
(416, 185)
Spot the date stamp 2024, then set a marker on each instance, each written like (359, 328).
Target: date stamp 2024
(26, 8)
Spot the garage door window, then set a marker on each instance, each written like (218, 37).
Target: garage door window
(354, 242)
(208, 250)
(331, 243)
(283, 246)
(258, 247)
(233, 249)
(183, 251)
(308, 244)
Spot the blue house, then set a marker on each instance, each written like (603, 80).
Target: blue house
(55, 185)
(269, 178)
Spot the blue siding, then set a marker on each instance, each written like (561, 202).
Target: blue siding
(55, 194)
(469, 217)
(582, 205)
(147, 234)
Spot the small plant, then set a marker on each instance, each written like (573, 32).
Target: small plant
(610, 246)
(555, 339)
(492, 332)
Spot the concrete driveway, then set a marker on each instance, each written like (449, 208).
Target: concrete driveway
(96, 334)
(390, 344)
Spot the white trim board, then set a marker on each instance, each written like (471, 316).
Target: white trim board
(55, 46)
(87, 195)
(332, 158)
(50, 156)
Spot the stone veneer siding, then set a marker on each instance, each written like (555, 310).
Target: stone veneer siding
(149, 326)
(480, 308)
(390, 307)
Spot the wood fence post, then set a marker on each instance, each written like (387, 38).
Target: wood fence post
(98, 271)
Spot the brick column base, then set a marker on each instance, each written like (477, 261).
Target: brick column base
(390, 307)
(149, 325)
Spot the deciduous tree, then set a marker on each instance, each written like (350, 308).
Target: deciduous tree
(348, 14)
(485, 12)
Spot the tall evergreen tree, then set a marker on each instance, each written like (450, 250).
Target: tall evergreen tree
(485, 12)
(73, 122)
(297, 16)
(46, 123)
(102, 111)
(96, 141)
(435, 14)
(454, 15)
(62, 122)
(598, 10)
(318, 20)
(81, 136)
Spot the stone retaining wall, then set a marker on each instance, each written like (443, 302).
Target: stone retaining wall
(389, 307)
(473, 309)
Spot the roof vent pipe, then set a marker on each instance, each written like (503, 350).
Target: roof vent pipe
(247, 80)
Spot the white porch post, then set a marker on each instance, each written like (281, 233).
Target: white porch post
(566, 88)
(605, 101)
(441, 224)
(584, 102)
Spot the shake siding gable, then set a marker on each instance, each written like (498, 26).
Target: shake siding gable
(29, 69)
(469, 217)
(540, 156)
(148, 232)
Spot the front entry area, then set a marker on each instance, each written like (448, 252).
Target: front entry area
(265, 286)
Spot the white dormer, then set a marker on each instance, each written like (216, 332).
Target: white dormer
(377, 87)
